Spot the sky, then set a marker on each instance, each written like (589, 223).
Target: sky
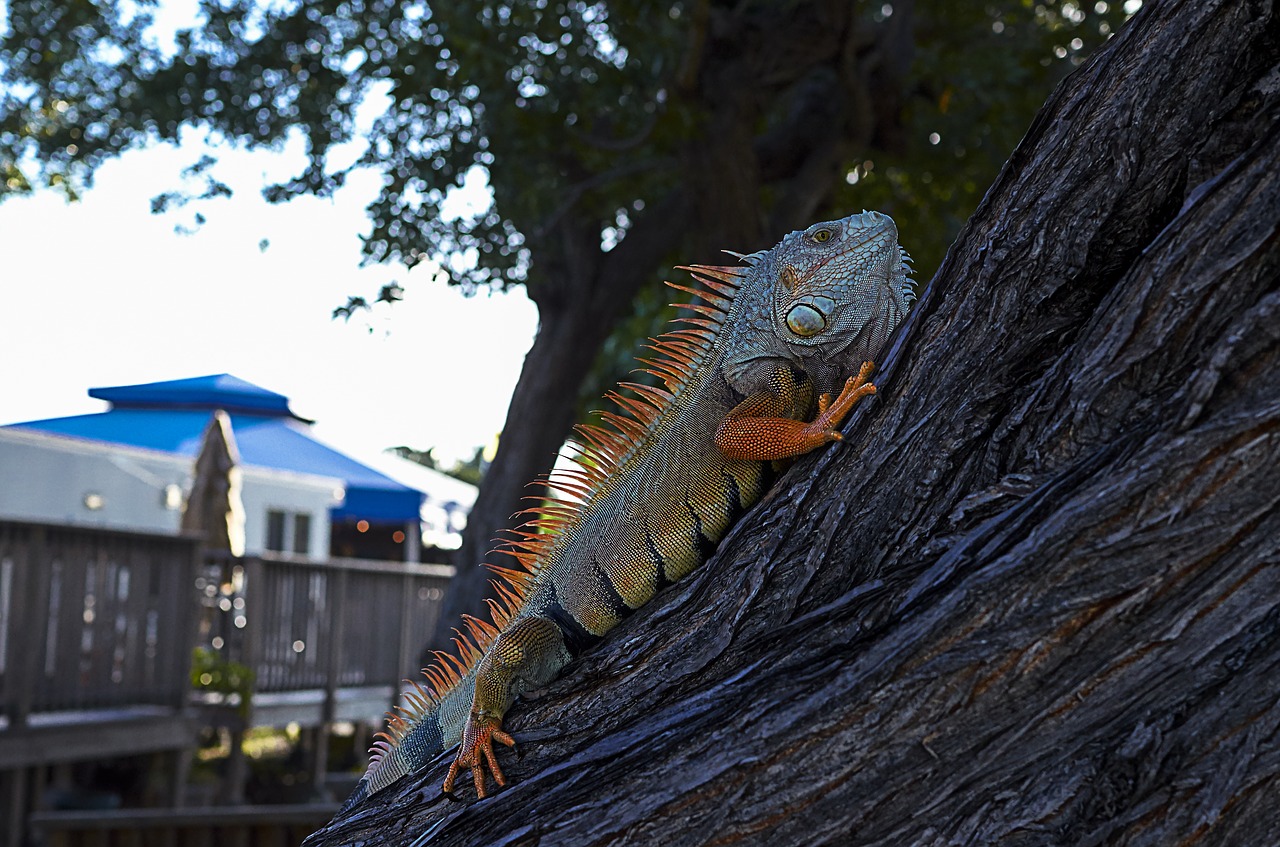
(101, 292)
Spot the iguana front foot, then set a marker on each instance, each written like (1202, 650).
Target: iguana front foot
(754, 429)
(476, 750)
(830, 415)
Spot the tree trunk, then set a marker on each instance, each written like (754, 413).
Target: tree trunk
(538, 418)
(582, 292)
(575, 318)
(1039, 603)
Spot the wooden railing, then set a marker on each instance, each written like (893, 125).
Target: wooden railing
(307, 625)
(92, 619)
(102, 619)
(98, 629)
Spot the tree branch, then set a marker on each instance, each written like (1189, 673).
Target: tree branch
(1041, 600)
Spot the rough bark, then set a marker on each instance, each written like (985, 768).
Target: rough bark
(1040, 603)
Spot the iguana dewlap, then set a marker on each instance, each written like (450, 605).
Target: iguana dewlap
(747, 382)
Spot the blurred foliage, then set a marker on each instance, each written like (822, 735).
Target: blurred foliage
(547, 105)
(468, 470)
(980, 73)
(213, 674)
(392, 292)
(83, 81)
(523, 90)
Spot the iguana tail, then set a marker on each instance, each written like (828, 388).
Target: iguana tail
(430, 722)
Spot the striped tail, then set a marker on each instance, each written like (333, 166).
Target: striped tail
(415, 734)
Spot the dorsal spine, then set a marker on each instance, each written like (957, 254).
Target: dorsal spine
(599, 454)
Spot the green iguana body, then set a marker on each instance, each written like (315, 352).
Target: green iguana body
(656, 490)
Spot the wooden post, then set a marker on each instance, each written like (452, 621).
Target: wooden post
(29, 610)
(407, 647)
(179, 766)
(179, 761)
(188, 602)
(333, 673)
(30, 615)
(237, 767)
(413, 541)
(13, 796)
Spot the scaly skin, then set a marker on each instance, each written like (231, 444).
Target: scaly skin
(659, 488)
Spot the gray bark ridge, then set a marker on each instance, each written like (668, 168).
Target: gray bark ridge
(1040, 602)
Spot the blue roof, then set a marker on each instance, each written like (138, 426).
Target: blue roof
(216, 391)
(171, 416)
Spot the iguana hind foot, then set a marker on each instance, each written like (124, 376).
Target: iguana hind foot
(477, 750)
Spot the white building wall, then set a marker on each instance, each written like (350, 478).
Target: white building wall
(265, 491)
(55, 479)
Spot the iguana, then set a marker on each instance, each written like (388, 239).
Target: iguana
(747, 382)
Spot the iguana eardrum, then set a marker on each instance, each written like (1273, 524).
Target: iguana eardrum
(656, 489)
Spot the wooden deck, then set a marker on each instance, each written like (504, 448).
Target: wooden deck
(51, 738)
(98, 629)
(92, 619)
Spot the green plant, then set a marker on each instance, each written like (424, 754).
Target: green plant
(213, 674)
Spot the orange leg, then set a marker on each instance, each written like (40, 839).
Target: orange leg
(477, 750)
(756, 430)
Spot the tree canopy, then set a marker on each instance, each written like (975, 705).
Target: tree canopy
(570, 109)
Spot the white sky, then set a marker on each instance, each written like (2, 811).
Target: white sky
(101, 292)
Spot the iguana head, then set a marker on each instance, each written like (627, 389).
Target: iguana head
(835, 292)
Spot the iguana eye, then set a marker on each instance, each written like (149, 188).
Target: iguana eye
(806, 321)
(822, 235)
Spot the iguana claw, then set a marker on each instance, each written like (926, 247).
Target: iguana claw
(477, 750)
(831, 414)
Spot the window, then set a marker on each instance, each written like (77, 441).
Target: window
(302, 534)
(288, 532)
(275, 530)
